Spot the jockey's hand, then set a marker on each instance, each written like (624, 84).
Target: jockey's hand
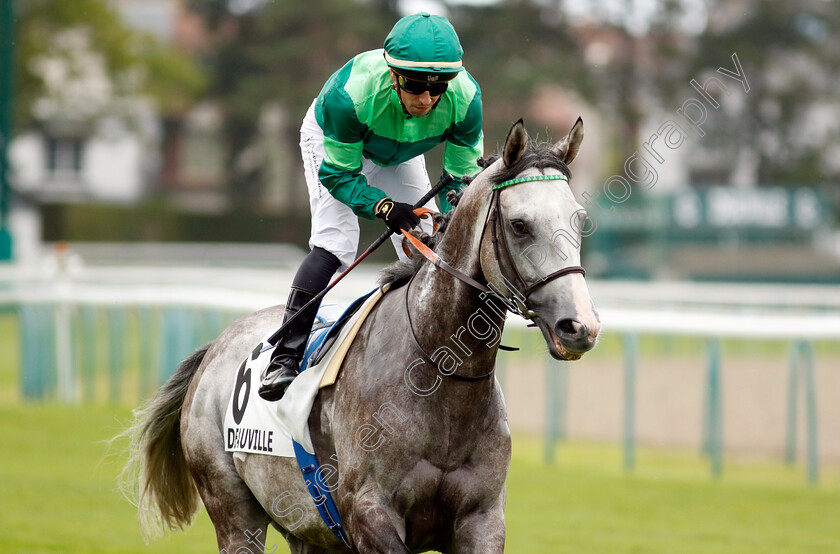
(396, 215)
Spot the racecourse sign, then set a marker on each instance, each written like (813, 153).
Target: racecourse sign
(765, 207)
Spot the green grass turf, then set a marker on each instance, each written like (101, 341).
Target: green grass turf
(669, 505)
(9, 358)
(58, 493)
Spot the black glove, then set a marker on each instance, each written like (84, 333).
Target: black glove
(396, 215)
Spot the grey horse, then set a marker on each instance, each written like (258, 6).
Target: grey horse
(413, 437)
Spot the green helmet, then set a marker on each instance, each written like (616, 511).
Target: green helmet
(424, 47)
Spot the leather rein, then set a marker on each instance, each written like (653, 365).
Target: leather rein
(516, 303)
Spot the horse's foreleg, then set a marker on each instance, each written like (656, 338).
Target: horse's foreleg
(376, 528)
(297, 546)
(480, 532)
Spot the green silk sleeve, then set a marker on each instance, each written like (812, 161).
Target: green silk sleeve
(350, 188)
(341, 170)
(464, 146)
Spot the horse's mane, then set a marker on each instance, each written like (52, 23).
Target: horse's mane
(536, 155)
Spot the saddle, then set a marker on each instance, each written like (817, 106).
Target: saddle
(326, 329)
(253, 425)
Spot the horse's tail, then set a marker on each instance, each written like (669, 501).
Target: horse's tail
(156, 477)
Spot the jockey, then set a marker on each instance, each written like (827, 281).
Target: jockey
(362, 142)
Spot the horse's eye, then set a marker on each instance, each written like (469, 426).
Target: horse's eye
(519, 226)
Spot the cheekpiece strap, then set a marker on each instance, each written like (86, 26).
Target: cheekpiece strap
(518, 180)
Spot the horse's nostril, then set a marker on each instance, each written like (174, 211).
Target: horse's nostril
(571, 327)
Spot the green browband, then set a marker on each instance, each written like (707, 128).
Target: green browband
(518, 180)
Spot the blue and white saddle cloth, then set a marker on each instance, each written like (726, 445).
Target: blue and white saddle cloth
(281, 428)
(259, 427)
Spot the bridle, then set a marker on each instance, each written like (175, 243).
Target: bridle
(500, 243)
(517, 302)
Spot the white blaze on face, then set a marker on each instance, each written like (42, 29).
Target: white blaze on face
(554, 220)
(586, 313)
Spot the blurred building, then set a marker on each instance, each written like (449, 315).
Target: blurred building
(700, 209)
(92, 143)
(87, 142)
(192, 169)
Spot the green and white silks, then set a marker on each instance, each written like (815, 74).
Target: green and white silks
(361, 115)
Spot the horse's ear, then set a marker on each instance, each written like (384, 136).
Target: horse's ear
(515, 144)
(567, 149)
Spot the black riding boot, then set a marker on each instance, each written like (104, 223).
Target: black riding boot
(289, 351)
(312, 277)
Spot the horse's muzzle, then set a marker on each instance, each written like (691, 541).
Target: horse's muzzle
(569, 339)
(574, 335)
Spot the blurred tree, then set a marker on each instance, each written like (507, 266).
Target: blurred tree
(276, 53)
(636, 55)
(790, 53)
(623, 64)
(511, 48)
(134, 62)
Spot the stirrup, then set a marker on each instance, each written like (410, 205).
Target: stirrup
(275, 381)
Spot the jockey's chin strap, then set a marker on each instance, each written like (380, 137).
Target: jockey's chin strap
(515, 303)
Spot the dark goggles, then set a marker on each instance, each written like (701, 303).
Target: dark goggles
(419, 87)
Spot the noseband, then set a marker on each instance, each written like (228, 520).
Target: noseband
(516, 303)
(500, 243)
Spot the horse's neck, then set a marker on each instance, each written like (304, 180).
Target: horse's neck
(449, 316)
